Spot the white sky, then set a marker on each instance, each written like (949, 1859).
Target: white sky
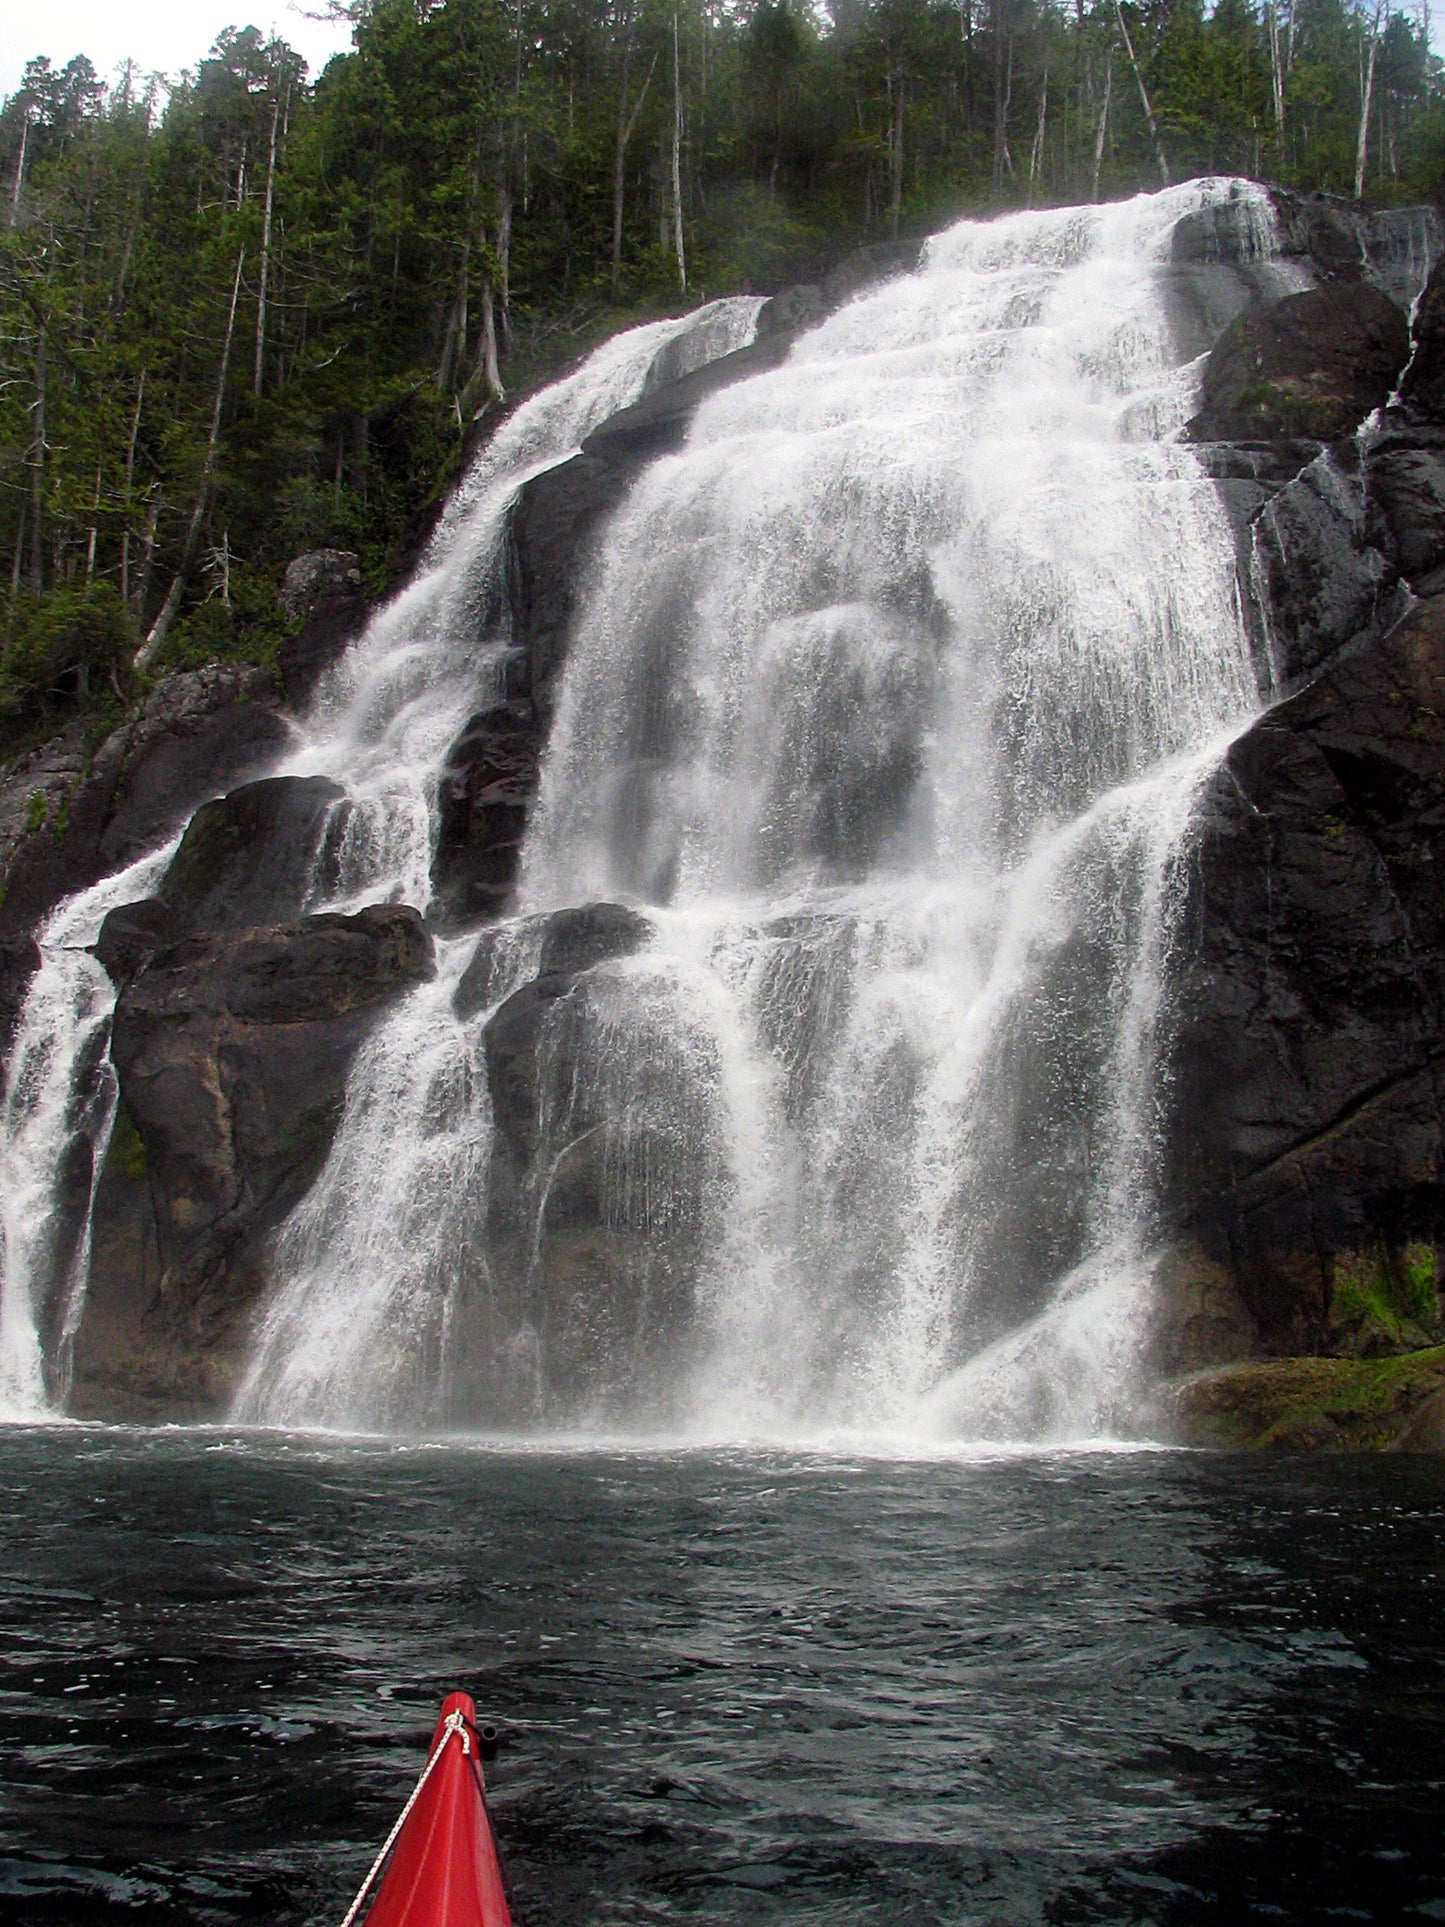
(161, 34)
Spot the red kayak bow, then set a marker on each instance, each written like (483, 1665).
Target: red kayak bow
(444, 1870)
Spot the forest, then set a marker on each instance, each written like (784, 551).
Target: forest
(246, 311)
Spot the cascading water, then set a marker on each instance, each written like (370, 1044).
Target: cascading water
(55, 1119)
(380, 727)
(886, 704)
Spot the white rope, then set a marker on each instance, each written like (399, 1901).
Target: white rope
(454, 1723)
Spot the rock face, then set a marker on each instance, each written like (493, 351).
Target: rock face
(1307, 1075)
(256, 855)
(322, 592)
(1309, 366)
(66, 821)
(232, 1051)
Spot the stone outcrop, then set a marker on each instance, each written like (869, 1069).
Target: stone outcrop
(1310, 366)
(232, 1051)
(1315, 1405)
(68, 818)
(1308, 990)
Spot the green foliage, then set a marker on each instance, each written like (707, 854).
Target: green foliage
(1383, 1300)
(60, 646)
(249, 317)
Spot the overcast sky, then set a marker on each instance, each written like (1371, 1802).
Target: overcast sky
(163, 34)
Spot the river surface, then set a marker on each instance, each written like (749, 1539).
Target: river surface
(735, 1686)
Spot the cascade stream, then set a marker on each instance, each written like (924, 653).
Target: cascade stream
(884, 707)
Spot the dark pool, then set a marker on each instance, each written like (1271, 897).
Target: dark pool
(734, 1686)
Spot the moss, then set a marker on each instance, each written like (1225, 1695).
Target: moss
(1382, 1300)
(1312, 1404)
(1417, 1267)
(127, 1147)
(36, 812)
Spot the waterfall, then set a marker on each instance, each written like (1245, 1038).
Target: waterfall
(380, 725)
(885, 706)
(55, 1123)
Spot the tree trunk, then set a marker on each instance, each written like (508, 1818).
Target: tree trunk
(1276, 71)
(1102, 134)
(504, 254)
(1003, 86)
(1143, 94)
(1036, 153)
(625, 126)
(266, 250)
(677, 158)
(899, 90)
(19, 187)
(140, 389)
(146, 654)
(1362, 145)
(456, 334)
(37, 469)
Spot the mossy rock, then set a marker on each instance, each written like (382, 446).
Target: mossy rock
(1384, 1300)
(1316, 1405)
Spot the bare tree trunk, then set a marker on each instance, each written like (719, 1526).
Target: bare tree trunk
(94, 526)
(504, 256)
(1036, 153)
(266, 250)
(491, 374)
(1003, 87)
(625, 126)
(1143, 94)
(37, 469)
(1102, 134)
(16, 565)
(1276, 70)
(140, 389)
(899, 89)
(456, 334)
(1362, 145)
(677, 158)
(146, 654)
(19, 187)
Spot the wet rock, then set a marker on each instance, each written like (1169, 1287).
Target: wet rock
(1423, 388)
(255, 855)
(487, 787)
(131, 935)
(194, 735)
(1310, 365)
(1314, 1405)
(1315, 564)
(232, 1051)
(19, 961)
(1305, 1083)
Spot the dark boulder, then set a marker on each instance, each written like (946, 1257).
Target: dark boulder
(484, 797)
(1305, 1082)
(67, 820)
(232, 1051)
(1423, 386)
(19, 961)
(1311, 365)
(130, 936)
(255, 855)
